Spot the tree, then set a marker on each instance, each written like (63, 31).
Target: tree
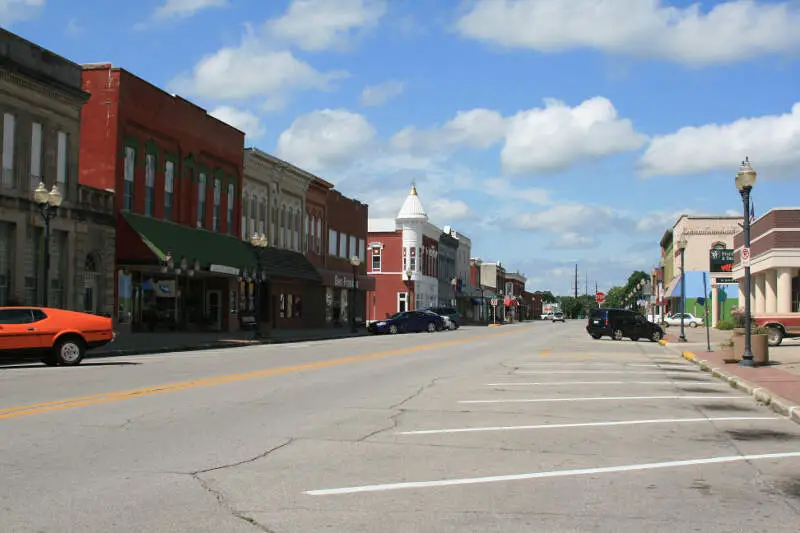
(615, 297)
(634, 279)
(547, 297)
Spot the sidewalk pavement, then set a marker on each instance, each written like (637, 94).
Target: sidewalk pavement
(776, 385)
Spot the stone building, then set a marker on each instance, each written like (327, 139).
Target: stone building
(41, 101)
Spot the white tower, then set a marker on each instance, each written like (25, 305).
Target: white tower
(411, 219)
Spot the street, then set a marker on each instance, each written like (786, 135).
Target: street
(521, 428)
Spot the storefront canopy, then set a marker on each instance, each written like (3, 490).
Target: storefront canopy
(207, 248)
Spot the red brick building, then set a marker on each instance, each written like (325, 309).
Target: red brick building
(347, 221)
(177, 174)
(392, 292)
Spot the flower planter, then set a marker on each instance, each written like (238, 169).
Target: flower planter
(759, 345)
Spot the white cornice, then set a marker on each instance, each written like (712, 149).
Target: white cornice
(776, 258)
(269, 171)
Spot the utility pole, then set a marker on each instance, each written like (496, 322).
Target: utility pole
(585, 283)
(576, 280)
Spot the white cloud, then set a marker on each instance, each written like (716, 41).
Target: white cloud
(731, 31)
(501, 188)
(74, 27)
(315, 25)
(239, 118)
(184, 8)
(570, 217)
(572, 241)
(248, 70)
(771, 141)
(553, 137)
(447, 210)
(330, 138)
(541, 139)
(375, 95)
(12, 11)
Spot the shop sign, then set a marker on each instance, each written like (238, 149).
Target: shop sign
(345, 282)
(224, 269)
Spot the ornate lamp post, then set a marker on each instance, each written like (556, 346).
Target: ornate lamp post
(260, 243)
(454, 284)
(745, 180)
(682, 243)
(355, 261)
(48, 203)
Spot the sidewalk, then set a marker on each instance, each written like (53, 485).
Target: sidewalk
(776, 385)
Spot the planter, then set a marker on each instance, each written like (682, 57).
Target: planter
(759, 344)
(738, 346)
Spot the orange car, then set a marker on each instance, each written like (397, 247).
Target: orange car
(61, 337)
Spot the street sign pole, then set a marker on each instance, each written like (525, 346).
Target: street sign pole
(705, 318)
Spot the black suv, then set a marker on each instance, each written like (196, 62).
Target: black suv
(621, 323)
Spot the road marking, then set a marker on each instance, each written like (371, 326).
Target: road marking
(545, 351)
(531, 383)
(543, 475)
(605, 398)
(640, 372)
(68, 403)
(588, 424)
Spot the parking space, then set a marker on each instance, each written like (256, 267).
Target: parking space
(582, 435)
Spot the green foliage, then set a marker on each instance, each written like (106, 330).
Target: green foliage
(725, 325)
(634, 280)
(573, 307)
(548, 298)
(615, 297)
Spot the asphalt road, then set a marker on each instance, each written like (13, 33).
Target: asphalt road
(522, 428)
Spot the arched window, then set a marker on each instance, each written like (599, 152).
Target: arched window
(719, 245)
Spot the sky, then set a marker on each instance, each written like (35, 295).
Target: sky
(550, 132)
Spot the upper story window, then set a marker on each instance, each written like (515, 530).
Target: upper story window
(9, 130)
(169, 188)
(376, 259)
(343, 245)
(319, 236)
(253, 214)
(216, 207)
(262, 217)
(297, 226)
(353, 246)
(201, 199)
(332, 242)
(129, 173)
(150, 184)
(362, 250)
(36, 154)
(231, 195)
(62, 162)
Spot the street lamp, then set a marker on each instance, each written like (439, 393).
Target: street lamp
(355, 261)
(745, 179)
(260, 243)
(48, 203)
(682, 244)
(454, 284)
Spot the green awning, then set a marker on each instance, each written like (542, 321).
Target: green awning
(207, 247)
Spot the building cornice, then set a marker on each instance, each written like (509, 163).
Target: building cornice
(271, 170)
(74, 99)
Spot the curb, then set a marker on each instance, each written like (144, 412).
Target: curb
(780, 405)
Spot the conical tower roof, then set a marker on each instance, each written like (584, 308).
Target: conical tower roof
(412, 208)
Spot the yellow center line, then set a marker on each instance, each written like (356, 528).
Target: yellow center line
(545, 351)
(95, 399)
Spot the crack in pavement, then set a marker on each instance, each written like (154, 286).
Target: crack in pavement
(245, 461)
(395, 418)
(415, 394)
(223, 502)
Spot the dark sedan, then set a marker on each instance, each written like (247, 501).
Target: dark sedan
(408, 322)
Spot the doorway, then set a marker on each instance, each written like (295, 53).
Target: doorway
(214, 309)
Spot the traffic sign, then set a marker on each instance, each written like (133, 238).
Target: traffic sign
(600, 297)
(745, 257)
(494, 302)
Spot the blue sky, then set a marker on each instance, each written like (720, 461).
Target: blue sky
(549, 132)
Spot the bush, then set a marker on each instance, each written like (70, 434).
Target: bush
(725, 325)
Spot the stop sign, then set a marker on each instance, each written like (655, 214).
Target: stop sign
(600, 297)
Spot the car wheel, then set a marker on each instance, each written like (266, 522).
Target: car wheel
(431, 327)
(775, 337)
(69, 350)
(693, 325)
(655, 336)
(634, 338)
(393, 329)
(618, 335)
(596, 337)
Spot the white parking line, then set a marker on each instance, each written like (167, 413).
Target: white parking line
(529, 383)
(606, 398)
(542, 475)
(651, 372)
(589, 424)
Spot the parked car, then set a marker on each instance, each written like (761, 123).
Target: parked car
(688, 320)
(408, 322)
(559, 317)
(60, 337)
(453, 317)
(781, 326)
(621, 323)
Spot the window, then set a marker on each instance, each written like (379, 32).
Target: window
(62, 169)
(253, 214)
(332, 242)
(362, 250)
(217, 200)
(353, 246)
(343, 245)
(130, 167)
(231, 194)
(376, 259)
(9, 129)
(402, 302)
(413, 264)
(319, 235)
(201, 199)
(297, 225)
(273, 223)
(16, 316)
(169, 188)
(150, 183)
(36, 154)
(306, 240)
(262, 217)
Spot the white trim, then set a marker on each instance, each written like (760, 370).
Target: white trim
(771, 259)
(377, 273)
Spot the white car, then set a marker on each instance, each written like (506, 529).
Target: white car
(688, 320)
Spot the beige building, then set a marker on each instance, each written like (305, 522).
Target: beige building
(40, 104)
(703, 233)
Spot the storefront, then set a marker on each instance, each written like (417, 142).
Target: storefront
(175, 278)
(340, 302)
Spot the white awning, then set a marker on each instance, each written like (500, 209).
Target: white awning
(672, 286)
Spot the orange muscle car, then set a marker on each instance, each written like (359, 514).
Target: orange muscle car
(61, 337)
